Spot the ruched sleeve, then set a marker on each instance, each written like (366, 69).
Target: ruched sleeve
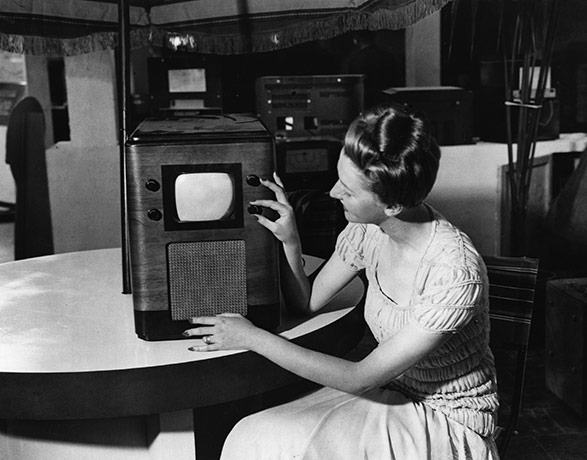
(451, 299)
(349, 246)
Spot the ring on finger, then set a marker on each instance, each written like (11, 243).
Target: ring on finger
(206, 339)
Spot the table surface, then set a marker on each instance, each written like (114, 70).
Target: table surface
(66, 324)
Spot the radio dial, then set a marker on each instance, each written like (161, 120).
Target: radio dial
(252, 209)
(152, 185)
(154, 214)
(253, 180)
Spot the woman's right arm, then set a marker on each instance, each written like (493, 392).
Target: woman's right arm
(302, 295)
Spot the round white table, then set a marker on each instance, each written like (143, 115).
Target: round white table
(78, 383)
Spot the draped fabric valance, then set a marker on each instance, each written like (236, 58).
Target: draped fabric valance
(69, 27)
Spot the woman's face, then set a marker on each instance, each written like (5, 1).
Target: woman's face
(352, 190)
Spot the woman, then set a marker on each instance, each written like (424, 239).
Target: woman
(428, 390)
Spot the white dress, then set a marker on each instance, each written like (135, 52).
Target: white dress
(443, 408)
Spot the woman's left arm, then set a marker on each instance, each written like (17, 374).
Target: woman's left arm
(389, 360)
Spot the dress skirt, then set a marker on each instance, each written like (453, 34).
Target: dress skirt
(332, 425)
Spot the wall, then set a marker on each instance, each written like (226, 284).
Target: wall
(12, 70)
(423, 52)
(84, 172)
(467, 192)
(469, 187)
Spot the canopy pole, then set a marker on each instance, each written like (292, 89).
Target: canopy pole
(123, 122)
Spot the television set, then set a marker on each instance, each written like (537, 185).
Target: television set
(184, 85)
(194, 248)
(308, 163)
(309, 105)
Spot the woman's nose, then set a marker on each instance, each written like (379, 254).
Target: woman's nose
(335, 191)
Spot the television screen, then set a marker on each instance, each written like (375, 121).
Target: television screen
(187, 80)
(204, 196)
(187, 104)
(182, 84)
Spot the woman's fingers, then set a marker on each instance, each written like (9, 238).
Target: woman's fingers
(267, 223)
(280, 208)
(198, 331)
(204, 326)
(204, 347)
(207, 320)
(278, 180)
(276, 188)
(271, 185)
(283, 228)
(230, 331)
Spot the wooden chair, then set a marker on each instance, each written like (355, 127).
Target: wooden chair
(512, 283)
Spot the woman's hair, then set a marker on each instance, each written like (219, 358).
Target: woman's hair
(394, 148)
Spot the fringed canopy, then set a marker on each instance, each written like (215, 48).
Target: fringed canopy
(70, 27)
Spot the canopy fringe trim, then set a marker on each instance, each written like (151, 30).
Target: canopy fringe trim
(381, 19)
(384, 18)
(49, 46)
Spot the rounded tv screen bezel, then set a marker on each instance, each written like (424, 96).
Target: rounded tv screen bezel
(171, 219)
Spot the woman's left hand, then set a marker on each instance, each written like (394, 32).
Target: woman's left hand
(228, 331)
(284, 228)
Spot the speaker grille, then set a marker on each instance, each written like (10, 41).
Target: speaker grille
(207, 278)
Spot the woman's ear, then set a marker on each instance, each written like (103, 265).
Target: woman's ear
(394, 210)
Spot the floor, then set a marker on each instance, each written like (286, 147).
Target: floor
(547, 428)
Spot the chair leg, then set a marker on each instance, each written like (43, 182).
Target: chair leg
(504, 440)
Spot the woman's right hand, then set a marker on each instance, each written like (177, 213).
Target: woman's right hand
(284, 228)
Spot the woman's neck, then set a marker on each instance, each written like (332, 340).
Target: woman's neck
(411, 227)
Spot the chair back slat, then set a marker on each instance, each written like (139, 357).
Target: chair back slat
(512, 283)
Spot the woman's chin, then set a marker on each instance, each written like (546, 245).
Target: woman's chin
(350, 218)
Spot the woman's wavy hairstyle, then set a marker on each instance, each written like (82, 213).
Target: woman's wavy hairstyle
(394, 147)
